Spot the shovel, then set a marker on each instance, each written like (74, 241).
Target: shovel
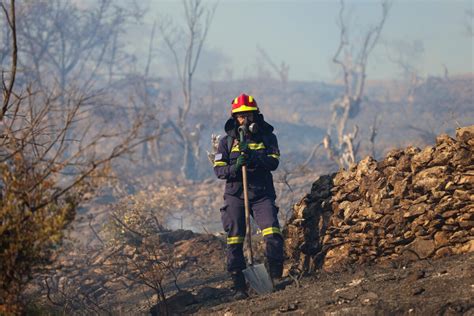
(256, 275)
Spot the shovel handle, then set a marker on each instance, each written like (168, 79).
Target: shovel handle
(247, 214)
(242, 131)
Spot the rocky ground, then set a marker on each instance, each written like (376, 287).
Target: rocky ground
(442, 286)
(427, 287)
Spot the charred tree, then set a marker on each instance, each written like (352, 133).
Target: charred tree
(340, 140)
(185, 46)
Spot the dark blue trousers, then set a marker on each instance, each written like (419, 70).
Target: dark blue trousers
(264, 211)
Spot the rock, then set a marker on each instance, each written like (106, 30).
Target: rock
(465, 179)
(415, 276)
(365, 167)
(387, 205)
(458, 236)
(421, 199)
(442, 157)
(449, 228)
(449, 214)
(175, 304)
(209, 293)
(421, 159)
(393, 155)
(336, 258)
(441, 238)
(418, 291)
(288, 307)
(464, 248)
(466, 224)
(369, 213)
(346, 209)
(411, 151)
(431, 178)
(422, 247)
(443, 252)
(403, 164)
(369, 298)
(444, 140)
(466, 135)
(400, 188)
(450, 186)
(351, 186)
(462, 157)
(339, 179)
(465, 216)
(415, 210)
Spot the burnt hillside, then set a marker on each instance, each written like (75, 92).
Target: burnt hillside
(394, 236)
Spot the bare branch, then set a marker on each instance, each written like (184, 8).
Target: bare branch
(342, 43)
(150, 49)
(11, 18)
(281, 71)
(311, 155)
(373, 134)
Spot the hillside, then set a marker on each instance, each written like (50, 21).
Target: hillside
(390, 236)
(395, 236)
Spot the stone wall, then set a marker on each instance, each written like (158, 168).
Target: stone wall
(414, 204)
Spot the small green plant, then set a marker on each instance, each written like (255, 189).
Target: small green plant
(28, 233)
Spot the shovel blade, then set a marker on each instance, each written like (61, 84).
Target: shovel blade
(258, 278)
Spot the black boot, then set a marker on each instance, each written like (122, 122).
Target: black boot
(239, 287)
(276, 270)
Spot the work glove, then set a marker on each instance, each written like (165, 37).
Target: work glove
(244, 147)
(241, 161)
(249, 154)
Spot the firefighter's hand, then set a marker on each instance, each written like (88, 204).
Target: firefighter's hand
(241, 161)
(244, 147)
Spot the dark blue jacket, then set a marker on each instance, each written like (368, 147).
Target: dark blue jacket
(263, 158)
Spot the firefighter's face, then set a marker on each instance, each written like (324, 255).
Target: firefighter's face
(244, 115)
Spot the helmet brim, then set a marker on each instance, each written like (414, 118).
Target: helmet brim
(245, 108)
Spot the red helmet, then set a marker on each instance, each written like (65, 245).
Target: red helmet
(244, 103)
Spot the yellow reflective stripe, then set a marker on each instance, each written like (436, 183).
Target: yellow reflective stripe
(271, 230)
(274, 156)
(236, 100)
(257, 146)
(252, 146)
(220, 163)
(235, 240)
(250, 99)
(244, 108)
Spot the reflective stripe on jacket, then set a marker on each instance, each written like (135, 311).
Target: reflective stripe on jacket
(263, 158)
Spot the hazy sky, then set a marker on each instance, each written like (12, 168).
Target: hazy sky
(305, 35)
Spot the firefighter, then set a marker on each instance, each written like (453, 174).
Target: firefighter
(260, 153)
